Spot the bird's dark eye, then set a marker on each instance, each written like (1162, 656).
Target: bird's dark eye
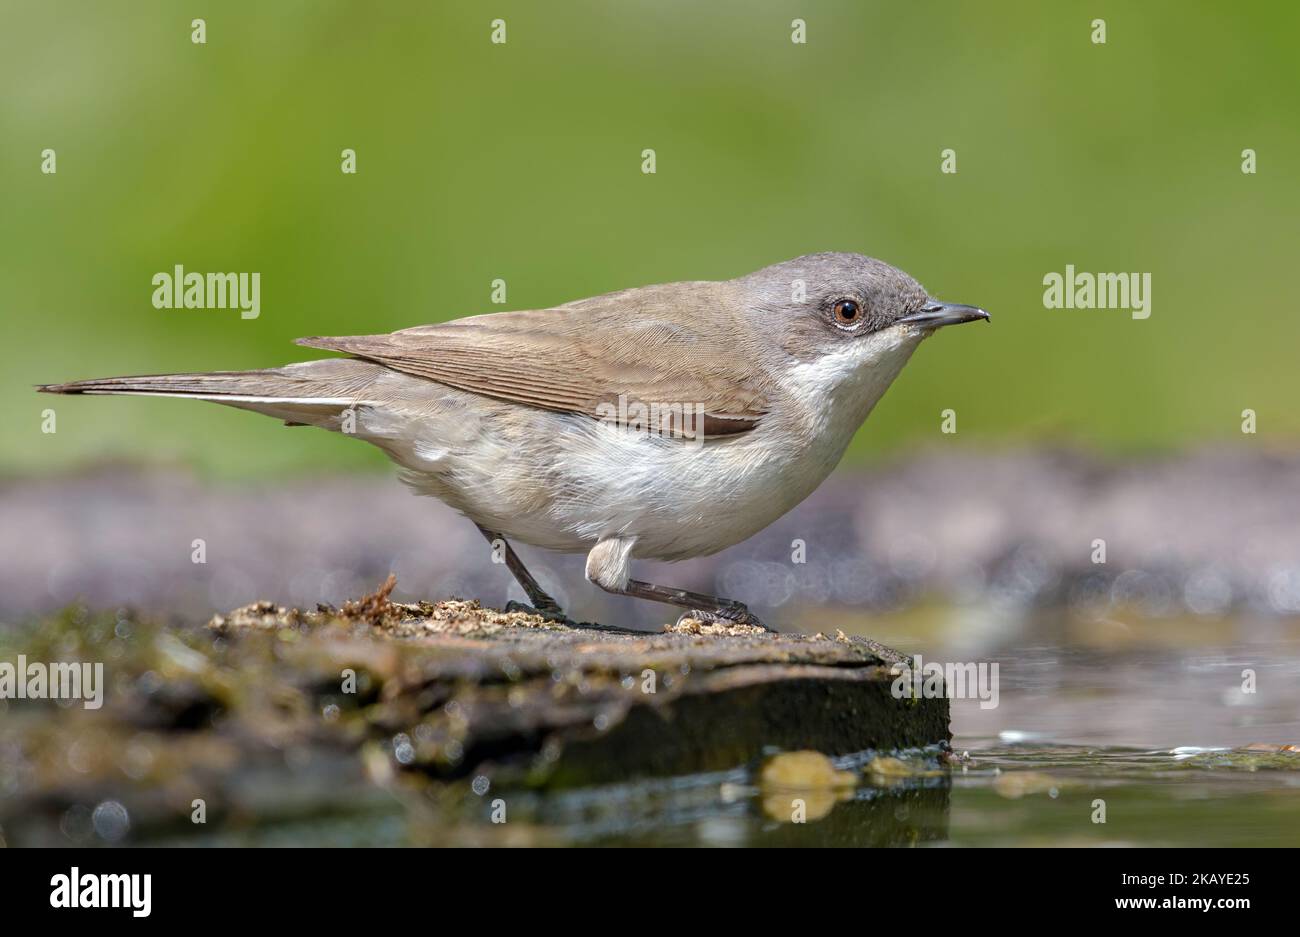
(846, 312)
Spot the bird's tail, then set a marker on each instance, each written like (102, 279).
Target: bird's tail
(311, 392)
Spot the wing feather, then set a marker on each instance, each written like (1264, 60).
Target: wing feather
(578, 358)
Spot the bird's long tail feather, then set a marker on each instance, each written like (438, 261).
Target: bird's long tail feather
(305, 392)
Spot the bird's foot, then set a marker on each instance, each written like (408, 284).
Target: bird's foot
(551, 612)
(733, 614)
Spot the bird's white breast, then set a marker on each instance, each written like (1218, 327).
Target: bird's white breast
(565, 482)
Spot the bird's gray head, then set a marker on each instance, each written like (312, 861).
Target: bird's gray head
(819, 303)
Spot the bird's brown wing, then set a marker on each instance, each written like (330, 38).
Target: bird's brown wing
(574, 359)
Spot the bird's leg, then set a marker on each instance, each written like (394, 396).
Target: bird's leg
(542, 603)
(608, 564)
(700, 605)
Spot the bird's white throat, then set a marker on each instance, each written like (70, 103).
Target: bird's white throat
(838, 390)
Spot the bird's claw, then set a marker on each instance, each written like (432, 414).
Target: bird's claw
(734, 614)
(549, 612)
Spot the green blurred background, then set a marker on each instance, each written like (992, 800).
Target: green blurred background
(523, 161)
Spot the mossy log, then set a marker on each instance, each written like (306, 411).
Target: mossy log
(516, 696)
(385, 722)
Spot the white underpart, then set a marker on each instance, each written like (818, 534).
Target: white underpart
(567, 482)
(839, 390)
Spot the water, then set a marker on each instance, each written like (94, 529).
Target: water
(1009, 795)
(1016, 795)
(1096, 743)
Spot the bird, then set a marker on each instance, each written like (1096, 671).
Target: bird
(661, 422)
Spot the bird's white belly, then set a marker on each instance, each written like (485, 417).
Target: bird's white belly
(566, 482)
(570, 482)
(680, 499)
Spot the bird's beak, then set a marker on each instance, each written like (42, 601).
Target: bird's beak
(936, 314)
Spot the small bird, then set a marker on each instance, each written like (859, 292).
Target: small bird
(663, 422)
